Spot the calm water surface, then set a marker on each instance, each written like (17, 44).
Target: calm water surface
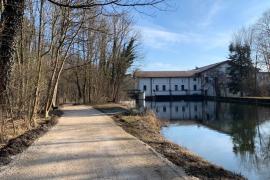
(234, 136)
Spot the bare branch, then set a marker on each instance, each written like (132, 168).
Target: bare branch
(122, 3)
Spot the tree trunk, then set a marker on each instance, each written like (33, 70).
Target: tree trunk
(39, 60)
(11, 20)
(78, 86)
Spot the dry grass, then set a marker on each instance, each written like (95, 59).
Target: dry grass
(21, 126)
(149, 118)
(8, 132)
(111, 108)
(22, 142)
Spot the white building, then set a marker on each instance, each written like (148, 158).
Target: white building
(208, 81)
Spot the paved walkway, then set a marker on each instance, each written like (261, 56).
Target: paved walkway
(86, 144)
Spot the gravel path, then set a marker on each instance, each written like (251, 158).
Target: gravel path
(86, 144)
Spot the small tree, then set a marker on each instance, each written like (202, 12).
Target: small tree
(123, 62)
(241, 71)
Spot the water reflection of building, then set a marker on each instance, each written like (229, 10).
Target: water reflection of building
(225, 117)
(183, 110)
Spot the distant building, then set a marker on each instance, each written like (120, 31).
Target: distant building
(209, 80)
(263, 78)
(263, 83)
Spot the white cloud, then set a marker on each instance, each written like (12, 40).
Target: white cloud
(159, 38)
(211, 13)
(218, 40)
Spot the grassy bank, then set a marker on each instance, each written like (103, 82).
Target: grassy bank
(147, 128)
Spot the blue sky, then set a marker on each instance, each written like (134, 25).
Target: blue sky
(193, 32)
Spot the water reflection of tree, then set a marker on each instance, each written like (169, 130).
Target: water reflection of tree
(263, 140)
(250, 143)
(243, 128)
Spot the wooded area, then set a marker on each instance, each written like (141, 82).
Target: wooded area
(70, 51)
(250, 57)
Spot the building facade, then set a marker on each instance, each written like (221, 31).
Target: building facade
(205, 81)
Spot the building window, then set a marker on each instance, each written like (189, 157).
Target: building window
(164, 109)
(157, 88)
(195, 87)
(195, 108)
(194, 79)
(176, 87)
(183, 87)
(206, 79)
(144, 88)
(164, 88)
(183, 109)
(176, 108)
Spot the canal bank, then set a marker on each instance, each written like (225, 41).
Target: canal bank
(147, 129)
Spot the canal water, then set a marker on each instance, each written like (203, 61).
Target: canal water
(234, 136)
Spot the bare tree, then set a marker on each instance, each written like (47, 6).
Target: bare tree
(11, 19)
(262, 28)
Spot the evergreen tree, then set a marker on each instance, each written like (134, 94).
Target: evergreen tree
(129, 54)
(122, 63)
(241, 70)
